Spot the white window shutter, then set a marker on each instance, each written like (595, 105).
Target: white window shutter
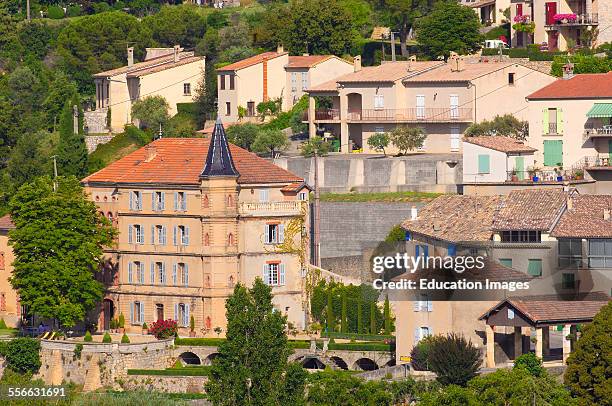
(184, 203)
(131, 312)
(417, 335)
(152, 234)
(175, 236)
(186, 235)
(152, 273)
(153, 203)
(163, 200)
(429, 305)
(281, 277)
(176, 312)
(266, 274)
(186, 322)
(142, 272)
(130, 233)
(174, 274)
(129, 272)
(417, 305)
(281, 233)
(163, 273)
(267, 233)
(431, 331)
(141, 320)
(186, 275)
(176, 201)
(131, 200)
(142, 236)
(139, 200)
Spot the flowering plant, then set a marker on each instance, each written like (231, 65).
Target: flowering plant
(521, 18)
(162, 329)
(568, 17)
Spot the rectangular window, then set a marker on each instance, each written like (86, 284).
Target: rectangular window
(187, 89)
(232, 79)
(274, 233)
(264, 195)
(420, 106)
(484, 164)
(183, 274)
(524, 236)
(568, 281)
(454, 106)
(160, 269)
(180, 201)
(570, 253)
(304, 80)
(511, 78)
(600, 253)
(137, 313)
(228, 108)
(135, 200)
(424, 304)
(274, 274)
(160, 235)
(2, 261)
(158, 201)
(534, 267)
(455, 139)
(379, 129)
(136, 234)
(183, 235)
(507, 262)
(379, 101)
(251, 108)
(222, 82)
(302, 196)
(421, 333)
(182, 314)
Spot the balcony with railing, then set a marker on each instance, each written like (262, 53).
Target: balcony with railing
(571, 20)
(416, 115)
(282, 208)
(551, 129)
(597, 162)
(324, 115)
(597, 132)
(547, 176)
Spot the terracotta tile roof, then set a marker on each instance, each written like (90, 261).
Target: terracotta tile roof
(499, 143)
(308, 61)
(582, 86)
(6, 223)
(481, 3)
(555, 309)
(295, 187)
(444, 73)
(253, 60)
(381, 33)
(181, 160)
(387, 72)
(161, 61)
(535, 209)
(456, 218)
(329, 86)
(492, 270)
(165, 66)
(586, 218)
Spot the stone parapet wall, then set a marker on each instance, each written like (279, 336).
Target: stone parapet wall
(168, 384)
(92, 141)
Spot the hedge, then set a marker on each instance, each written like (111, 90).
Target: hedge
(360, 347)
(189, 371)
(355, 336)
(187, 108)
(531, 53)
(203, 342)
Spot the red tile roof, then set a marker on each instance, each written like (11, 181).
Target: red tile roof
(295, 187)
(170, 65)
(586, 218)
(535, 209)
(181, 160)
(499, 143)
(582, 86)
(308, 61)
(161, 63)
(6, 223)
(253, 60)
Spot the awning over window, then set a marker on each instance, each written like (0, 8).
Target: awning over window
(600, 110)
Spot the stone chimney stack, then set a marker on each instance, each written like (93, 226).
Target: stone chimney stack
(280, 49)
(130, 56)
(568, 70)
(570, 203)
(151, 152)
(413, 213)
(456, 62)
(357, 63)
(177, 52)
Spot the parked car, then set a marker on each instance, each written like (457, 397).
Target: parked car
(495, 44)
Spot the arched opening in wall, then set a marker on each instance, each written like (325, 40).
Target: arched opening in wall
(365, 364)
(108, 310)
(313, 363)
(205, 202)
(189, 358)
(206, 239)
(210, 358)
(340, 363)
(391, 363)
(230, 239)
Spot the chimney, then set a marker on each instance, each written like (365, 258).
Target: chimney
(568, 70)
(411, 59)
(305, 54)
(130, 56)
(150, 153)
(569, 203)
(606, 214)
(280, 49)
(436, 225)
(357, 63)
(177, 52)
(413, 213)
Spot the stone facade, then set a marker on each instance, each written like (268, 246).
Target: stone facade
(168, 384)
(92, 141)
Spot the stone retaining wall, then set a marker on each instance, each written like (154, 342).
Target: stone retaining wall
(92, 141)
(168, 384)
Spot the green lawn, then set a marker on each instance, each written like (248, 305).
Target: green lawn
(379, 197)
(8, 332)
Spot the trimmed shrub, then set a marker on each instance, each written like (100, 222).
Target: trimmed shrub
(125, 339)
(107, 338)
(357, 337)
(121, 321)
(531, 363)
(22, 355)
(454, 359)
(74, 10)
(3, 325)
(191, 371)
(87, 337)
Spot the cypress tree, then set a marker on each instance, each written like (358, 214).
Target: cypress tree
(359, 317)
(373, 329)
(71, 149)
(330, 311)
(343, 324)
(387, 311)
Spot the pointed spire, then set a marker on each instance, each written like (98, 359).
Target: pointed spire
(219, 160)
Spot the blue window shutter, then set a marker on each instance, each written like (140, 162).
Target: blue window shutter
(139, 200)
(417, 250)
(186, 275)
(265, 275)
(162, 277)
(176, 201)
(174, 274)
(426, 251)
(281, 233)
(153, 205)
(131, 312)
(163, 200)
(152, 273)
(186, 235)
(131, 200)
(129, 272)
(186, 322)
(417, 335)
(175, 235)
(162, 239)
(130, 233)
(141, 320)
(429, 305)
(281, 278)
(484, 164)
(142, 236)
(141, 273)
(152, 234)
(452, 250)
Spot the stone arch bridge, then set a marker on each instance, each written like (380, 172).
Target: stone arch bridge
(309, 358)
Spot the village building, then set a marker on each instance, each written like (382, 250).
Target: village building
(10, 309)
(490, 12)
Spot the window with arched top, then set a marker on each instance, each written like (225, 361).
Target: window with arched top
(206, 239)
(205, 202)
(230, 239)
(230, 200)
(208, 322)
(231, 281)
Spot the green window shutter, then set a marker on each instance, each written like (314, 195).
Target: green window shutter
(507, 262)
(553, 153)
(545, 120)
(484, 164)
(559, 121)
(535, 267)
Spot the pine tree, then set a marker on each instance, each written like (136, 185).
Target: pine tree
(71, 149)
(373, 329)
(359, 317)
(330, 311)
(387, 310)
(343, 324)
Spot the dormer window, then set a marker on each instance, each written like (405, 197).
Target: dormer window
(521, 236)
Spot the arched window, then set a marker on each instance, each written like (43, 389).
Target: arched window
(231, 281)
(205, 202)
(208, 322)
(230, 239)
(230, 200)
(206, 239)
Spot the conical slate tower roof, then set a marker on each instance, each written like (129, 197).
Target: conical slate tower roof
(219, 159)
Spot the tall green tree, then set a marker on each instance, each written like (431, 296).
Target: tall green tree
(58, 243)
(176, 25)
(343, 323)
(270, 140)
(588, 374)
(30, 158)
(451, 26)
(71, 150)
(151, 111)
(359, 317)
(330, 319)
(387, 316)
(373, 324)
(243, 135)
(408, 138)
(506, 125)
(252, 363)
(403, 14)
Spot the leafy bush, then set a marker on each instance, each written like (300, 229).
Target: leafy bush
(3, 325)
(531, 363)
(22, 355)
(121, 320)
(73, 10)
(107, 338)
(87, 337)
(360, 346)
(420, 353)
(163, 329)
(144, 326)
(55, 12)
(78, 349)
(125, 339)
(454, 359)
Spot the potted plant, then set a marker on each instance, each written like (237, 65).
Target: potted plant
(559, 173)
(192, 327)
(533, 173)
(218, 330)
(121, 323)
(514, 176)
(579, 174)
(145, 329)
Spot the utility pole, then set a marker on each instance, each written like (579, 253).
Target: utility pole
(28, 9)
(54, 172)
(317, 218)
(75, 119)
(392, 46)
